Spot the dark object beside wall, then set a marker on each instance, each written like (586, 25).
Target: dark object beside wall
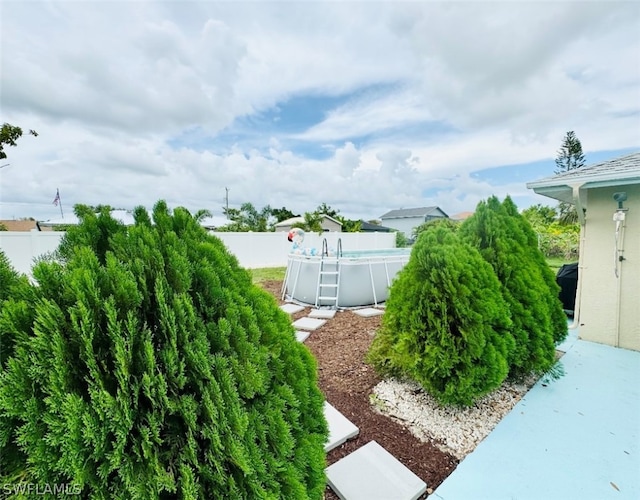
(567, 278)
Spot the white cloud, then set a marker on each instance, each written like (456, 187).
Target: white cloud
(129, 99)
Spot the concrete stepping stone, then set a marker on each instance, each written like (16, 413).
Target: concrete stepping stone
(322, 313)
(368, 312)
(340, 427)
(372, 472)
(309, 324)
(302, 336)
(291, 308)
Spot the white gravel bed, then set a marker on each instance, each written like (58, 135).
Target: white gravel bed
(453, 429)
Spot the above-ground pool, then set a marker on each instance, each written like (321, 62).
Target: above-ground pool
(354, 279)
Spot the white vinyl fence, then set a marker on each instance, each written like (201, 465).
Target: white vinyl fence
(253, 250)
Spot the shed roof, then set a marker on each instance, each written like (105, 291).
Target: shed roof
(20, 225)
(410, 212)
(619, 171)
(299, 218)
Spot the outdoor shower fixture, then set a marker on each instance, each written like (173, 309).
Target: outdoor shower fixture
(620, 198)
(619, 218)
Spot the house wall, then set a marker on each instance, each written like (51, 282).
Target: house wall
(610, 305)
(404, 224)
(252, 250)
(408, 224)
(329, 225)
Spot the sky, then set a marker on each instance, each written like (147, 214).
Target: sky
(366, 106)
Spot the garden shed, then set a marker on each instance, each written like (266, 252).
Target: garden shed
(607, 199)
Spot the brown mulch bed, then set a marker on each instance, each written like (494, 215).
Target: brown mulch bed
(340, 347)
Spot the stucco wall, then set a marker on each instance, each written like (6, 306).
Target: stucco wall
(610, 305)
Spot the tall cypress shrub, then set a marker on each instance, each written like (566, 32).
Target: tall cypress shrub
(558, 318)
(499, 232)
(503, 244)
(446, 324)
(151, 367)
(15, 294)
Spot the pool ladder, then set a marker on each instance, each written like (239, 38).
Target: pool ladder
(329, 279)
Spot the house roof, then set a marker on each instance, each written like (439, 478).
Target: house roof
(367, 226)
(620, 171)
(293, 220)
(19, 225)
(461, 216)
(410, 212)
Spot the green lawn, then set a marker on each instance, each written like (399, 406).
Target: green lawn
(267, 273)
(556, 263)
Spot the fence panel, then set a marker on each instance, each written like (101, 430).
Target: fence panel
(252, 250)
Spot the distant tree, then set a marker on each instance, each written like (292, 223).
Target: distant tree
(569, 157)
(248, 218)
(9, 134)
(312, 223)
(348, 225)
(281, 214)
(555, 239)
(540, 215)
(323, 208)
(3, 227)
(401, 240)
(202, 214)
(231, 213)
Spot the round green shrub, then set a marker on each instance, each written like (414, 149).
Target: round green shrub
(148, 366)
(446, 324)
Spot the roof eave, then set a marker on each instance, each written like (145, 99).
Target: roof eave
(564, 191)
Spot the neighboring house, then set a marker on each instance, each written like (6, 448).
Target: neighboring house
(407, 219)
(367, 227)
(607, 198)
(20, 225)
(327, 223)
(461, 216)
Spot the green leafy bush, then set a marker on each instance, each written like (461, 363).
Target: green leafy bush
(147, 365)
(498, 232)
(446, 324)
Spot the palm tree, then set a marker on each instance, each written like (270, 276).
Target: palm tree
(312, 223)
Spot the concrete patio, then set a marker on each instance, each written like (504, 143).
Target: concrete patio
(573, 438)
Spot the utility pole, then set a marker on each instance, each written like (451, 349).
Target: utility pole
(227, 201)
